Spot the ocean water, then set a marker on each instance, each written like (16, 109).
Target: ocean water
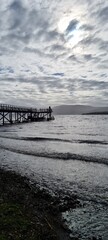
(69, 154)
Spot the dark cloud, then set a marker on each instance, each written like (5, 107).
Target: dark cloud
(103, 45)
(40, 82)
(90, 85)
(103, 65)
(10, 70)
(84, 76)
(71, 85)
(26, 70)
(41, 69)
(72, 25)
(3, 49)
(58, 74)
(32, 50)
(55, 84)
(90, 40)
(57, 47)
(73, 58)
(17, 11)
(88, 57)
(6, 70)
(105, 94)
(8, 80)
(103, 75)
(1, 69)
(103, 14)
(49, 35)
(42, 54)
(87, 27)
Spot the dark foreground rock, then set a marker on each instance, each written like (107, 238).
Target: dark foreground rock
(28, 213)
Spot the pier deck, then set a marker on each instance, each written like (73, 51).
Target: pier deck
(16, 114)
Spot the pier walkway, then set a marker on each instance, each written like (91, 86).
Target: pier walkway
(16, 114)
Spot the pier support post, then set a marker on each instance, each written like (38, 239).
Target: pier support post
(3, 118)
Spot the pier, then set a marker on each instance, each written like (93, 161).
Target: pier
(16, 114)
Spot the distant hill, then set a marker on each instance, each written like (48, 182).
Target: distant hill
(78, 109)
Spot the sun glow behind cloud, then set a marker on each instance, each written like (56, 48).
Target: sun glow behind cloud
(63, 23)
(74, 36)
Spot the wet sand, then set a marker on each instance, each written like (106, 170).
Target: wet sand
(28, 212)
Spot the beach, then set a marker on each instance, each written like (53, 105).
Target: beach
(66, 166)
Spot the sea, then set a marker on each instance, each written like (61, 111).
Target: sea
(69, 154)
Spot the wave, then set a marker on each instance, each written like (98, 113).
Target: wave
(87, 141)
(93, 142)
(58, 156)
(36, 139)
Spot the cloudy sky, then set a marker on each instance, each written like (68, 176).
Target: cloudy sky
(54, 52)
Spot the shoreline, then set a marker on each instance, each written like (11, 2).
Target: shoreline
(28, 212)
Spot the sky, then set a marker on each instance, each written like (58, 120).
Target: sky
(54, 52)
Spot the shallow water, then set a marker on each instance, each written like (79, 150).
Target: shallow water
(68, 154)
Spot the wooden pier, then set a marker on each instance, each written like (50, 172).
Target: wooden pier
(15, 114)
